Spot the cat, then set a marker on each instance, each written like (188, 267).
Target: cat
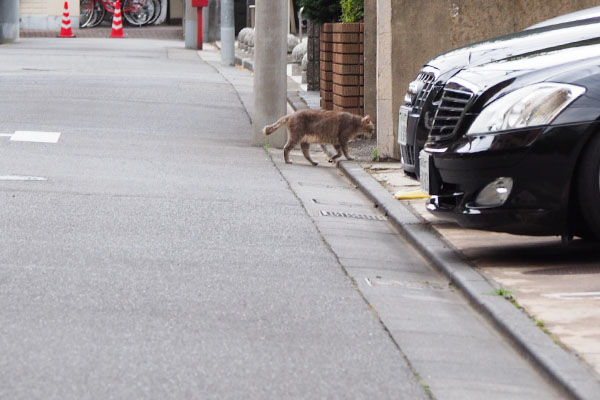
(319, 126)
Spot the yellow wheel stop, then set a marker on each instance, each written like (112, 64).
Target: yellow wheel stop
(411, 195)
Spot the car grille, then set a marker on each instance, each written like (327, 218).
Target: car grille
(450, 111)
(428, 78)
(408, 155)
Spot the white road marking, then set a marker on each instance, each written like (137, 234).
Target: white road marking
(6, 134)
(21, 178)
(32, 136)
(575, 295)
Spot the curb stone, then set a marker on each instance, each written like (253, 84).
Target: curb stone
(560, 366)
(244, 62)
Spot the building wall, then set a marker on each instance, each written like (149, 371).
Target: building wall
(47, 14)
(370, 48)
(410, 33)
(176, 9)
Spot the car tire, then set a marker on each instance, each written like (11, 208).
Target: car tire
(588, 185)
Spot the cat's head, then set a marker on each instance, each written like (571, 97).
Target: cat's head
(368, 126)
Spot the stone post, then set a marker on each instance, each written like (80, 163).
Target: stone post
(9, 21)
(270, 77)
(249, 21)
(227, 33)
(190, 26)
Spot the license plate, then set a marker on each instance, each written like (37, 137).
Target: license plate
(402, 123)
(424, 160)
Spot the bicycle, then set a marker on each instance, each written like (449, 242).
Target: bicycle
(141, 12)
(135, 12)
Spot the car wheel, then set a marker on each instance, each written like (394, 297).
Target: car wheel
(588, 185)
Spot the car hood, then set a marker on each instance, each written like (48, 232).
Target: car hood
(516, 44)
(538, 65)
(593, 12)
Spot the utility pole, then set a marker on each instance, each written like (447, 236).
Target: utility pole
(270, 76)
(387, 147)
(9, 21)
(227, 33)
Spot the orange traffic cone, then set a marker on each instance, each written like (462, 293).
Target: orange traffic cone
(117, 23)
(65, 26)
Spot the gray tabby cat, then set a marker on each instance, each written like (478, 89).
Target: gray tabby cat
(318, 126)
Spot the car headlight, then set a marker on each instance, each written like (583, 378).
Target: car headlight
(414, 88)
(533, 105)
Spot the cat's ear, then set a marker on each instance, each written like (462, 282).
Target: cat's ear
(366, 120)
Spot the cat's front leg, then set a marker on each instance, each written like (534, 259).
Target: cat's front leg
(338, 148)
(344, 146)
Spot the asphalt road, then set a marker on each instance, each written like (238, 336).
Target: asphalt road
(151, 252)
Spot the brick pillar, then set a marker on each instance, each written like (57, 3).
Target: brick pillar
(326, 66)
(348, 68)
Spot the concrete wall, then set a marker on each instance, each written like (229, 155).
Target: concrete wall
(47, 14)
(409, 33)
(176, 9)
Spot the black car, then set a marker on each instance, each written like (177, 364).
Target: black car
(423, 95)
(515, 144)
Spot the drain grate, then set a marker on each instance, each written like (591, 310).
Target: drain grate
(592, 269)
(352, 215)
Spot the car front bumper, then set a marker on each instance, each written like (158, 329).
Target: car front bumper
(539, 161)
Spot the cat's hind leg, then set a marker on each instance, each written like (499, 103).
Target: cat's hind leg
(305, 147)
(345, 151)
(286, 150)
(337, 148)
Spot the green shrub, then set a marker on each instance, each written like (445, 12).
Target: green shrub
(321, 10)
(352, 10)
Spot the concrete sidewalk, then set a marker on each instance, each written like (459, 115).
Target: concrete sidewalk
(561, 366)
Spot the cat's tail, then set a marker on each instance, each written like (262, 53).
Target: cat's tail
(267, 130)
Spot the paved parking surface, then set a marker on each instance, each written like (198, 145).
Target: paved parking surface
(557, 285)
